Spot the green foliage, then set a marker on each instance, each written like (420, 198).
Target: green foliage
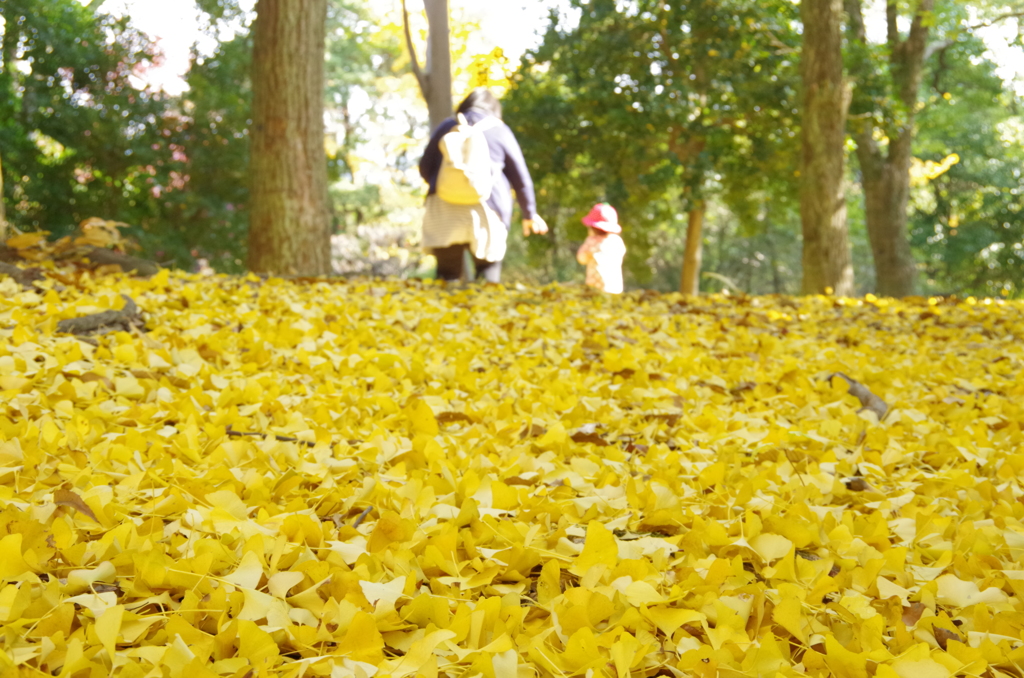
(648, 105)
(207, 217)
(78, 139)
(653, 105)
(358, 53)
(210, 216)
(968, 224)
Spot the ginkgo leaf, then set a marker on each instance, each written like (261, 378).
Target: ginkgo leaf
(280, 583)
(422, 417)
(14, 600)
(82, 580)
(770, 546)
(385, 593)
(12, 562)
(26, 240)
(917, 663)
(248, 573)
(959, 593)
(338, 477)
(788, 614)
(506, 664)
(600, 548)
(623, 652)
(362, 641)
(844, 663)
(108, 625)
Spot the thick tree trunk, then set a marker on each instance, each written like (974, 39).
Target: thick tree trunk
(8, 100)
(289, 224)
(3, 210)
(689, 282)
(886, 177)
(886, 182)
(439, 62)
(435, 78)
(773, 257)
(826, 98)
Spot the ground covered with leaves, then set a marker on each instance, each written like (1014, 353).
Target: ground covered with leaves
(301, 478)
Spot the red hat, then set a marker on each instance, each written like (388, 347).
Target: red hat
(603, 217)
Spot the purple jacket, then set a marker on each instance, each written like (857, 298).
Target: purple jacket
(506, 156)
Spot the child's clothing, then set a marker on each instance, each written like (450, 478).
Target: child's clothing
(602, 253)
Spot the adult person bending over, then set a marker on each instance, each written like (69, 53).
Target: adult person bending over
(448, 228)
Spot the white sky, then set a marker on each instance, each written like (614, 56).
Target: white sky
(1009, 57)
(175, 25)
(513, 25)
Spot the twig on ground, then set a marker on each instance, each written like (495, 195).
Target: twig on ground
(101, 256)
(282, 439)
(361, 517)
(106, 321)
(868, 400)
(26, 277)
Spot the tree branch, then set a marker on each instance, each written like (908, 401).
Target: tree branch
(105, 321)
(940, 49)
(997, 19)
(421, 77)
(869, 155)
(101, 256)
(856, 24)
(912, 57)
(892, 30)
(25, 277)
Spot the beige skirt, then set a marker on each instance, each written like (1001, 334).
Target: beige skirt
(478, 226)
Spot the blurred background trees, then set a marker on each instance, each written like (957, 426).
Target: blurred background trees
(685, 116)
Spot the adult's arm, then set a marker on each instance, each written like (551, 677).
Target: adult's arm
(430, 163)
(519, 176)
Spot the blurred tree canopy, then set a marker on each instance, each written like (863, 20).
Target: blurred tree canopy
(967, 224)
(659, 108)
(603, 118)
(78, 139)
(81, 135)
(656, 108)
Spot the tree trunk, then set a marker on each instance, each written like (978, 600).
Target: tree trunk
(886, 177)
(439, 62)
(689, 282)
(289, 225)
(773, 257)
(435, 78)
(8, 99)
(826, 98)
(3, 211)
(886, 182)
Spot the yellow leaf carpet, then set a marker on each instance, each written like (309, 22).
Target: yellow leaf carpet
(372, 479)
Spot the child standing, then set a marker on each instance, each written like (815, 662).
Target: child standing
(603, 250)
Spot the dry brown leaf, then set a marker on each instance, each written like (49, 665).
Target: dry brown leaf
(858, 484)
(532, 431)
(912, 613)
(591, 437)
(453, 417)
(63, 497)
(943, 636)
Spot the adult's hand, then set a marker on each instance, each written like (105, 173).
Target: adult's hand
(536, 225)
